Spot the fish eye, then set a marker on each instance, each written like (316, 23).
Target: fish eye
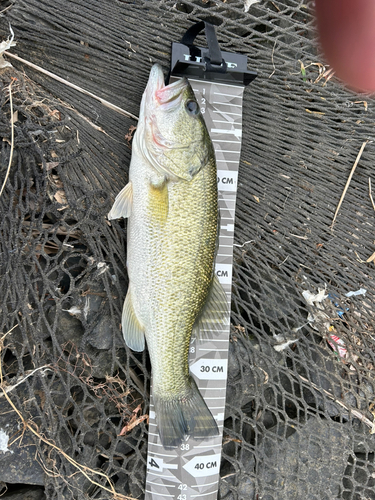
(192, 107)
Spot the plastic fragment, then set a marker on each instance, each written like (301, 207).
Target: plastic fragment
(311, 298)
(338, 345)
(4, 439)
(5, 45)
(361, 291)
(248, 3)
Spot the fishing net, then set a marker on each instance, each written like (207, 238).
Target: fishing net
(300, 405)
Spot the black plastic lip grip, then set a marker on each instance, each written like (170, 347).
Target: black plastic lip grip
(208, 63)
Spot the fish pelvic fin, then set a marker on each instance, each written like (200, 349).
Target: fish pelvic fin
(187, 413)
(122, 206)
(132, 329)
(214, 312)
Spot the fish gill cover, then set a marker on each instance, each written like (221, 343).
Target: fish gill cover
(300, 403)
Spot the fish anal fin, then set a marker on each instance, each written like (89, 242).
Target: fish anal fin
(131, 328)
(122, 206)
(214, 312)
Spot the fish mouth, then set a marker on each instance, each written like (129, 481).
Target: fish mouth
(158, 94)
(149, 138)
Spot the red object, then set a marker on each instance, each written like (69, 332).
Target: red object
(338, 345)
(347, 34)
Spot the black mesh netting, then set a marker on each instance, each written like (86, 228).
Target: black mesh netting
(299, 409)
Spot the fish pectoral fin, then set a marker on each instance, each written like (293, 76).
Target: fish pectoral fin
(132, 330)
(122, 206)
(214, 312)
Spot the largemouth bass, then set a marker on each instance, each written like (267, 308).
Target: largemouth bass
(171, 203)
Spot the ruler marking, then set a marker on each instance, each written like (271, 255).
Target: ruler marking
(203, 494)
(212, 388)
(226, 113)
(225, 121)
(226, 161)
(170, 478)
(227, 151)
(216, 340)
(161, 494)
(227, 95)
(216, 350)
(231, 142)
(228, 104)
(158, 484)
(163, 454)
(209, 484)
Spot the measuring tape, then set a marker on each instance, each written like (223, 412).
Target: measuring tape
(192, 470)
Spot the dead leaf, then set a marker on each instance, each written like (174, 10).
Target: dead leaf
(314, 112)
(134, 421)
(129, 136)
(60, 197)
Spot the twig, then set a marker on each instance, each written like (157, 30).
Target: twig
(356, 413)
(73, 86)
(1, 12)
(12, 138)
(243, 244)
(5, 334)
(9, 388)
(273, 64)
(369, 189)
(300, 237)
(348, 182)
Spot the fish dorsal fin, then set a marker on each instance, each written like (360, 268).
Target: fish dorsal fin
(122, 206)
(131, 328)
(214, 311)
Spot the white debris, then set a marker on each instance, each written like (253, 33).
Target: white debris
(86, 308)
(248, 3)
(103, 267)
(317, 315)
(361, 291)
(312, 299)
(74, 311)
(6, 45)
(4, 439)
(281, 347)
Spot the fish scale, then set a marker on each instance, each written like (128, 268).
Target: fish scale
(182, 279)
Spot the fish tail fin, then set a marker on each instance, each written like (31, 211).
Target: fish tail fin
(184, 414)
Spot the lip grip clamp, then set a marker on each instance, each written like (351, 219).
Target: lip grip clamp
(208, 63)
